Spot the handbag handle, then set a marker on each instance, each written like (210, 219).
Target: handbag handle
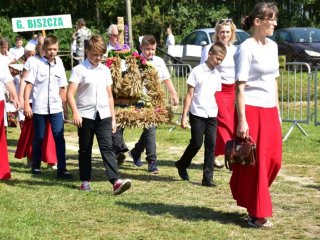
(245, 139)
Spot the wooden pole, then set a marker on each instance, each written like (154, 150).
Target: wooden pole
(128, 3)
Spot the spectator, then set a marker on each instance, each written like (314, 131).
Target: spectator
(34, 39)
(113, 37)
(170, 38)
(257, 68)
(81, 35)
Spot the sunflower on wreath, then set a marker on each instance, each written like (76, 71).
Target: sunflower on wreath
(140, 100)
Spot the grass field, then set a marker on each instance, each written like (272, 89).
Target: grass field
(161, 206)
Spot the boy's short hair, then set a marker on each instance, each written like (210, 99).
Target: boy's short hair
(148, 40)
(218, 48)
(96, 43)
(3, 41)
(49, 40)
(18, 38)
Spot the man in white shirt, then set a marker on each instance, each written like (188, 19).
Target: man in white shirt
(113, 36)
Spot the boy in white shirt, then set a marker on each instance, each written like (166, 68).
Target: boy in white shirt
(18, 50)
(203, 81)
(47, 79)
(147, 140)
(93, 114)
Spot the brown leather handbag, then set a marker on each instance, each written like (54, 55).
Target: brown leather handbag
(240, 151)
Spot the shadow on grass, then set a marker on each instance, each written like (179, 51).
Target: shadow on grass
(188, 213)
(317, 187)
(98, 172)
(27, 183)
(12, 142)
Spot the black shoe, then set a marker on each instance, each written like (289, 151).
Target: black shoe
(120, 158)
(208, 183)
(136, 161)
(152, 167)
(182, 172)
(64, 174)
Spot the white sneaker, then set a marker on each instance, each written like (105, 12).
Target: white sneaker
(217, 163)
(85, 186)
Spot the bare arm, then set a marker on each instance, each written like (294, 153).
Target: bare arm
(172, 90)
(111, 106)
(27, 108)
(13, 94)
(76, 118)
(277, 101)
(63, 96)
(243, 128)
(186, 106)
(22, 86)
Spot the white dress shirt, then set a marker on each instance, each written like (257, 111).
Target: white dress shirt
(205, 82)
(47, 79)
(92, 95)
(227, 66)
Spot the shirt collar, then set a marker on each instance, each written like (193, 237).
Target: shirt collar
(149, 60)
(88, 64)
(206, 68)
(43, 59)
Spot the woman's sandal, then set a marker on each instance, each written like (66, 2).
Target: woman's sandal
(254, 222)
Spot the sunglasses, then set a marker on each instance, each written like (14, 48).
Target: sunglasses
(226, 20)
(114, 35)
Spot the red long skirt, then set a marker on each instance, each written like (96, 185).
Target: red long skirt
(24, 146)
(226, 117)
(250, 185)
(4, 158)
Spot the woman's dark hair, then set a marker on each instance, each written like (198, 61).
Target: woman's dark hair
(262, 10)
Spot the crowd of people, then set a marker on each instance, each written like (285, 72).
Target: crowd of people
(231, 93)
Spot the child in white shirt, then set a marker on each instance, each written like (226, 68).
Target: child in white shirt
(93, 114)
(203, 81)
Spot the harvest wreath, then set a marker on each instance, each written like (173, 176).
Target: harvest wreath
(140, 100)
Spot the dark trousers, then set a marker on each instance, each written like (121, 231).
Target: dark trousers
(147, 141)
(102, 128)
(199, 127)
(57, 127)
(118, 143)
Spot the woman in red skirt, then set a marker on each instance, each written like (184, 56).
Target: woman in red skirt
(225, 33)
(258, 114)
(6, 80)
(24, 146)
